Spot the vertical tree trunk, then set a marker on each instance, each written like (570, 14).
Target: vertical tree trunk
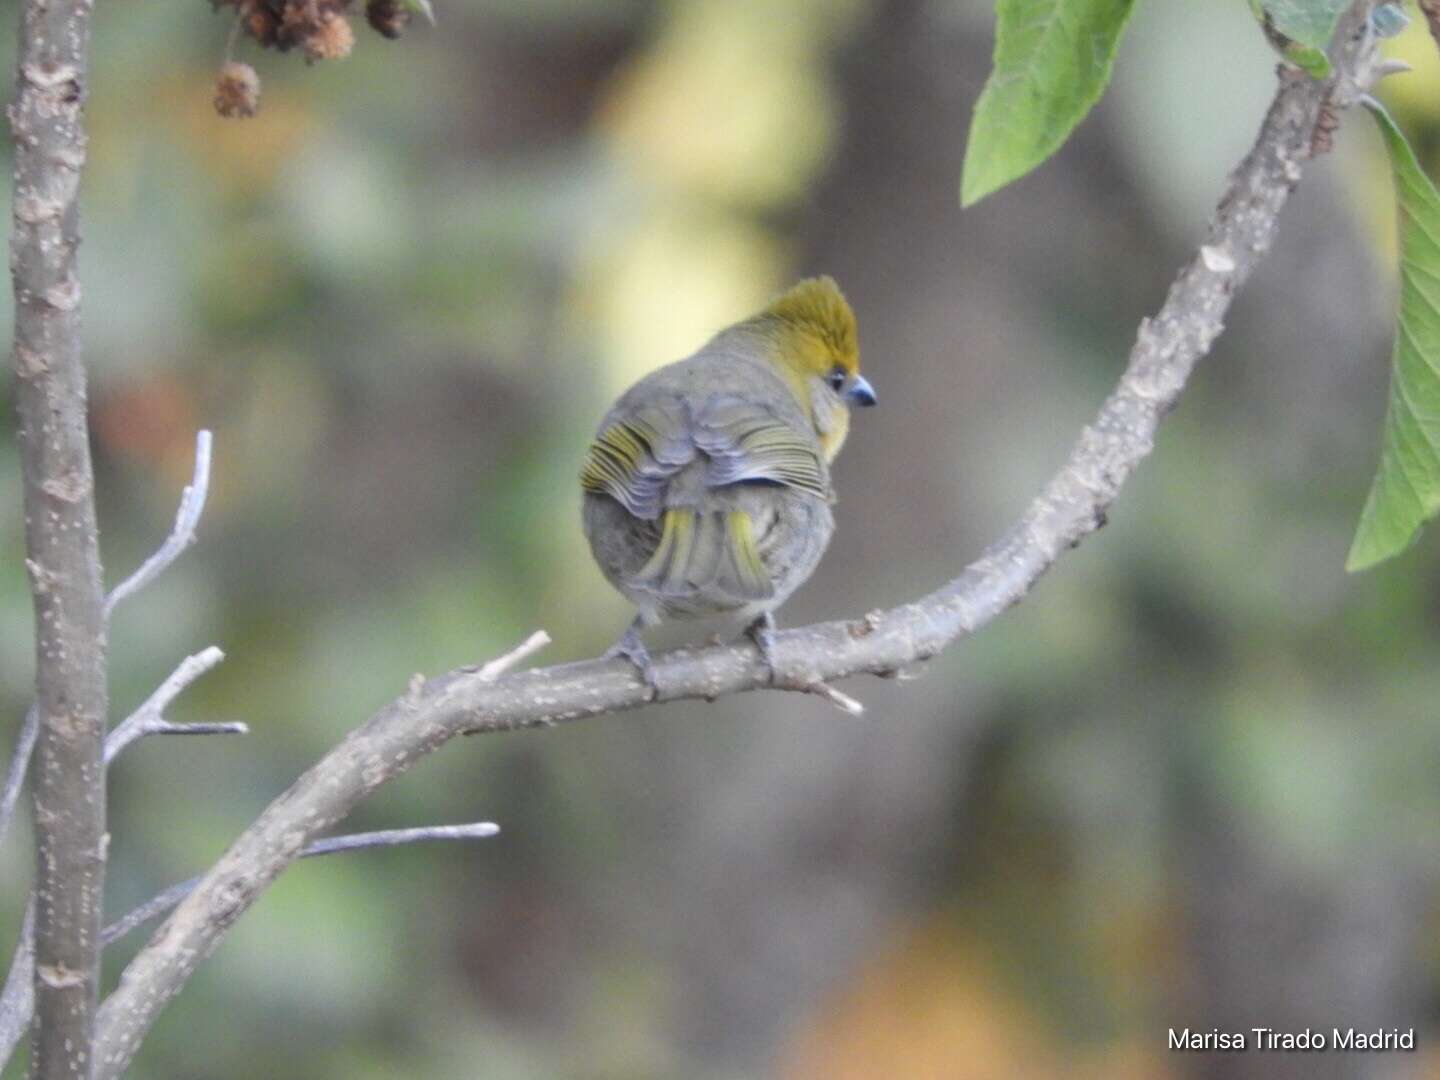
(60, 535)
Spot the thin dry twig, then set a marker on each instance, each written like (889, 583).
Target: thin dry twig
(149, 718)
(19, 765)
(187, 519)
(165, 901)
(841, 700)
(17, 998)
(491, 671)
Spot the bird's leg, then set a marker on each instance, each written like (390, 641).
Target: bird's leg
(762, 632)
(633, 649)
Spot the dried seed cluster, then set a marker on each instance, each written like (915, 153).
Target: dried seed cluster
(318, 28)
(237, 90)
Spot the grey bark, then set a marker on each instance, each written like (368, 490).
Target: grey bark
(1072, 505)
(60, 534)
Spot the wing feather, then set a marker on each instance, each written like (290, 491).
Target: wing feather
(634, 457)
(745, 441)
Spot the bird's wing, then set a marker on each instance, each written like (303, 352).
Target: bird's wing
(635, 456)
(732, 440)
(746, 441)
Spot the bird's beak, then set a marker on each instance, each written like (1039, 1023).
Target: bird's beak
(860, 392)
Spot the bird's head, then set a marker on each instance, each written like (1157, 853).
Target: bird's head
(810, 338)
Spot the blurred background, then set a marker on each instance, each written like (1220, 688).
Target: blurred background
(1190, 782)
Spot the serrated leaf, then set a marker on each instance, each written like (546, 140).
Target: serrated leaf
(1052, 61)
(1406, 491)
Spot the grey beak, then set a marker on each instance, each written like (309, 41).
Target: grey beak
(860, 392)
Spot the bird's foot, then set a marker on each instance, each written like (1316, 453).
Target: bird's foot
(633, 649)
(762, 632)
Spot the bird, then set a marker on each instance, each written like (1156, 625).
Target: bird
(707, 487)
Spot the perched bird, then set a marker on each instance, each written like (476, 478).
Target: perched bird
(707, 489)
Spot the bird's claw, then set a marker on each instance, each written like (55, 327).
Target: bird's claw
(762, 632)
(633, 649)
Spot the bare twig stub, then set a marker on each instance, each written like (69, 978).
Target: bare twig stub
(149, 718)
(1071, 506)
(187, 519)
(46, 125)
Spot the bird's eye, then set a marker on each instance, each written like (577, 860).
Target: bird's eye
(836, 378)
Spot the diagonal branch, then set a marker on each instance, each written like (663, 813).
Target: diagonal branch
(19, 764)
(1071, 506)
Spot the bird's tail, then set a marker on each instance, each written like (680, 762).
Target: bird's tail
(706, 548)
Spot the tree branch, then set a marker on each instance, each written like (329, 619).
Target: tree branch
(187, 518)
(158, 905)
(1071, 506)
(61, 543)
(19, 765)
(17, 998)
(149, 718)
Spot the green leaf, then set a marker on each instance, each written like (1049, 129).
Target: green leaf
(423, 7)
(1300, 30)
(1308, 22)
(1406, 492)
(1307, 58)
(1052, 61)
